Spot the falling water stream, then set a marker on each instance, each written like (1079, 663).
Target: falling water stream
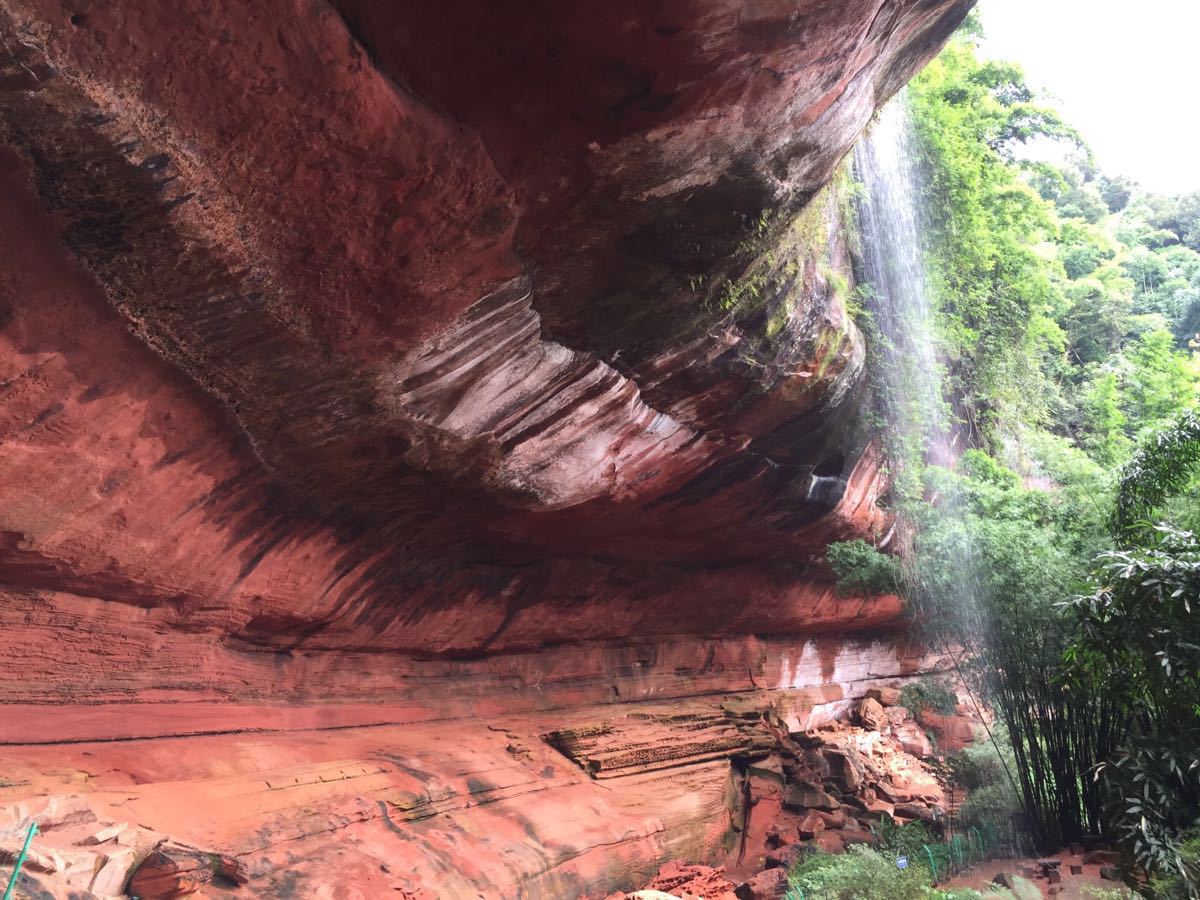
(907, 374)
(909, 389)
(907, 371)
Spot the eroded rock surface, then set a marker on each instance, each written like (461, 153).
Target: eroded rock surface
(419, 367)
(818, 790)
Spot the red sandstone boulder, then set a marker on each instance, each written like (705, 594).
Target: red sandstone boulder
(888, 792)
(881, 808)
(168, 873)
(810, 826)
(913, 739)
(63, 811)
(845, 766)
(834, 820)
(176, 871)
(767, 885)
(36, 860)
(915, 811)
(871, 714)
(105, 833)
(885, 696)
(114, 870)
(808, 796)
(829, 842)
(953, 732)
(814, 760)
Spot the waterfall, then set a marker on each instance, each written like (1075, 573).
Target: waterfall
(907, 375)
(909, 387)
(907, 372)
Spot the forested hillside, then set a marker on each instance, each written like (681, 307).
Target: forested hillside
(1069, 300)
(1051, 546)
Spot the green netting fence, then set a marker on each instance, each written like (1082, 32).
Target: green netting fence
(16, 872)
(973, 845)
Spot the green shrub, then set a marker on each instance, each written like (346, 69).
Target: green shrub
(1097, 893)
(861, 568)
(902, 840)
(980, 765)
(1173, 885)
(978, 465)
(860, 874)
(929, 694)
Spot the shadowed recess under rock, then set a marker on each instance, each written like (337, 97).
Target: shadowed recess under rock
(381, 381)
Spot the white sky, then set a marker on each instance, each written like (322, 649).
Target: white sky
(1126, 75)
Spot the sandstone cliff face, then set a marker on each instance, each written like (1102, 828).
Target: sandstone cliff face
(370, 364)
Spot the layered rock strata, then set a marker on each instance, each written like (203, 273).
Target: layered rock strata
(421, 368)
(558, 803)
(822, 790)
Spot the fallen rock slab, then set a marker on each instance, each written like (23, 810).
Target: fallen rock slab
(885, 696)
(170, 872)
(104, 834)
(174, 870)
(871, 715)
(915, 811)
(110, 880)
